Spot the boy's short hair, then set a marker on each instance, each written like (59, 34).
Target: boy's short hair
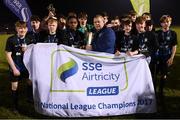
(132, 13)
(52, 19)
(124, 17)
(116, 18)
(82, 15)
(149, 22)
(99, 16)
(61, 16)
(127, 22)
(71, 17)
(165, 18)
(35, 18)
(72, 13)
(140, 20)
(147, 13)
(104, 14)
(21, 24)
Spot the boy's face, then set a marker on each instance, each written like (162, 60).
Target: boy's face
(147, 17)
(82, 21)
(127, 28)
(149, 28)
(141, 26)
(105, 19)
(52, 26)
(112, 23)
(116, 23)
(21, 31)
(73, 23)
(133, 18)
(166, 24)
(35, 25)
(62, 21)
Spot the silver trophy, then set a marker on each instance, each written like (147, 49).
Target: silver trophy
(90, 37)
(51, 9)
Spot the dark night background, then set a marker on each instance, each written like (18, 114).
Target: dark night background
(112, 7)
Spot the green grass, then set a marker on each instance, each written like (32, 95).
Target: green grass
(3, 63)
(172, 92)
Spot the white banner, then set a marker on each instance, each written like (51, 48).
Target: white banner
(69, 82)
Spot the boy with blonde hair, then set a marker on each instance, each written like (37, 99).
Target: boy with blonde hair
(167, 48)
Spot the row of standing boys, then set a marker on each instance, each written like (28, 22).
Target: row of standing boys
(131, 35)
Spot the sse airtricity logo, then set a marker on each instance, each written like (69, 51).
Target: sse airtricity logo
(67, 69)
